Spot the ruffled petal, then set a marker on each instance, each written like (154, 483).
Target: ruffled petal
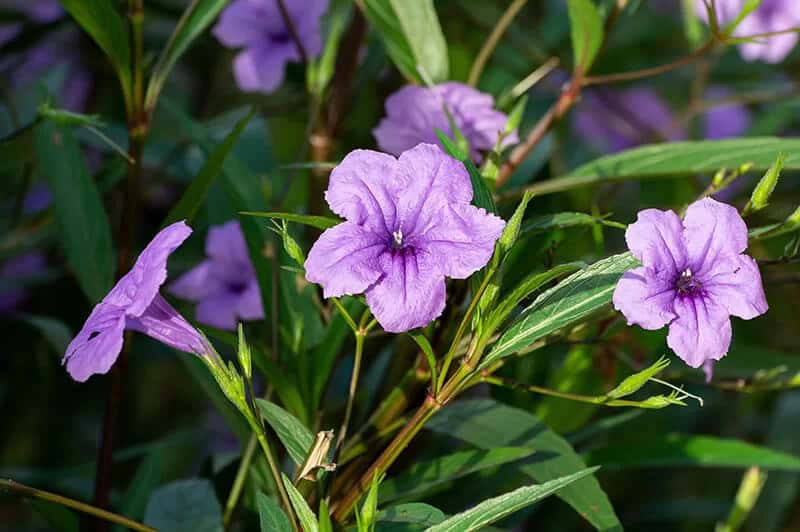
(701, 332)
(656, 239)
(645, 299)
(240, 24)
(344, 260)
(411, 294)
(98, 344)
(412, 115)
(461, 241)
(735, 283)
(137, 288)
(713, 230)
(162, 322)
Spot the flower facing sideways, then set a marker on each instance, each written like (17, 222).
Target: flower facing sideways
(694, 276)
(409, 224)
(134, 303)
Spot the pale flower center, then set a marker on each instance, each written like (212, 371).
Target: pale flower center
(397, 239)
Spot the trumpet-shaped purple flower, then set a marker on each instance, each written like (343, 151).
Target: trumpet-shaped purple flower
(414, 113)
(770, 16)
(134, 303)
(224, 285)
(257, 27)
(693, 277)
(409, 225)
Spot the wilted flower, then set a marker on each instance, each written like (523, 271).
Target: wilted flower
(134, 303)
(12, 271)
(409, 225)
(414, 113)
(224, 285)
(258, 28)
(693, 278)
(770, 16)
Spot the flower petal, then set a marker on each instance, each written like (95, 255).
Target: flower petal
(363, 188)
(162, 322)
(218, 310)
(701, 332)
(645, 299)
(193, 285)
(259, 68)
(461, 241)
(137, 288)
(98, 344)
(712, 231)
(240, 24)
(249, 306)
(411, 294)
(344, 260)
(656, 239)
(735, 283)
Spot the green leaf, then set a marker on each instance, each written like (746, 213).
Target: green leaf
(101, 20)
(320, 222)
(325, 523)
(194, 21)
(423, 476)
(487, 424)
(417, 513)
(307, 519)
(294, 435)
(270, 516)
(82, 221)
(570, 301)
(58, 517)
(412, 36)
(185, 506)
(678, 159)
(586, 33)
(147, 478)
(482, 196)
(196, 193)
(496, 508)
(559, 220)
(687, 450)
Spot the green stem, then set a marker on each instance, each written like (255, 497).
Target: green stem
(238, 482)
(348, 411)
(27, 491)
(276, 475)
(493, 39)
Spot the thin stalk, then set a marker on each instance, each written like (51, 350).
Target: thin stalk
(238, 482)
(27, 491)
(136, 16)
(276, 475)
(290, 27)
(348, 412)
(493, 39)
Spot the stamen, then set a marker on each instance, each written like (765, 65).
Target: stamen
(398, 239)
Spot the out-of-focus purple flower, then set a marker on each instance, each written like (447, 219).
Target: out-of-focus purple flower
(258, 28)
(770, 16)
(134, 303)
(37, 199)
(225, 284)
(11, 273)
(612, 121)
(409, 225)
(40, 11)
(414, 113)
(693, 277)
(724, 121)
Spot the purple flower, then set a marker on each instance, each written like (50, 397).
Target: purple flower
(770, 16)
(258, 28)
(724, 121)
(409, 225)
(693, 278)
(224, 285)
(414, 113)
(12, 271)
(613, 121)
(134, 303)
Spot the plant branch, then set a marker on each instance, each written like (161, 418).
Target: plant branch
(238, 482)
(348, 412)
(494, 38)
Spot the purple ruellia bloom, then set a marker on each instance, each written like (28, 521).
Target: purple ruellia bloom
(134, 303)
(693, 278)
(224, 285)
(613, 121)
(258, 28)
(770, 16)
(725, 120)
(13, 272)
(409, 225)
(414, 113)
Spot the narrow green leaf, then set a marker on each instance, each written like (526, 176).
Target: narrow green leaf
(424, 476)
(194, 21)
(325, 523)
(82, 221)
(307, 519)
(687, 450)
(586, 33)
(487, 424)
(417, 513)
(185, 506)
(196, 193)
(270, 516)
(293, 434)
(570, 301)
(496, 508)
(482, 196)
(320, 222)
(559, 220)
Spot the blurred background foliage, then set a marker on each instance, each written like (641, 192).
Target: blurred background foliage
(170, 430)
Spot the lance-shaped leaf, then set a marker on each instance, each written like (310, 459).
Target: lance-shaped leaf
(293, 434)
(586, 32)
